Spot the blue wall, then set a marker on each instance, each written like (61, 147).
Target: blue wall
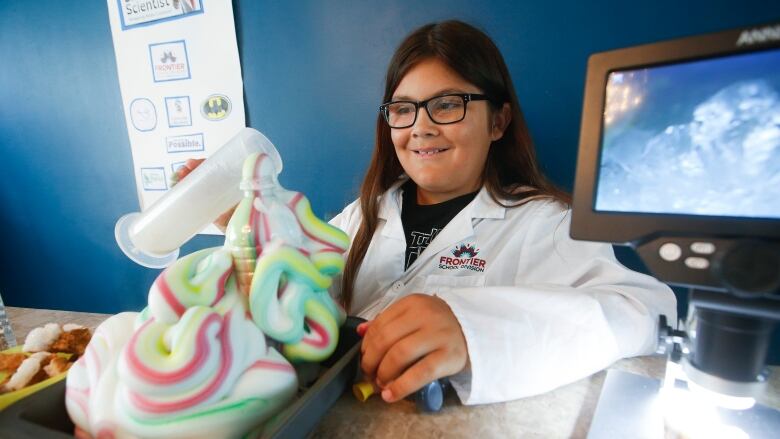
(313, 73)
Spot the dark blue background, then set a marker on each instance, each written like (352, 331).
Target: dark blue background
(313, 74)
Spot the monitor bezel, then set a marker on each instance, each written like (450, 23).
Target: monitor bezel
(635, 227)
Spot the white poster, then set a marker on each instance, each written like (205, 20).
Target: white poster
(181, 85)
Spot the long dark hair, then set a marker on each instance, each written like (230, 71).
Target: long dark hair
(511, 172)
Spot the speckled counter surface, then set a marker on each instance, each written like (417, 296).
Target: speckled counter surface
(563, 413)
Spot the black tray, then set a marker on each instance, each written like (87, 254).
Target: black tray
(43, 414)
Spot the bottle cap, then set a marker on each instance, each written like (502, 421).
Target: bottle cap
(363, 390)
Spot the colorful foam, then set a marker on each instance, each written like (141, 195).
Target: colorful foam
(196, 362)
(286, 286)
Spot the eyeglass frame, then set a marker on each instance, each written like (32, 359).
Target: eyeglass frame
(467, 97)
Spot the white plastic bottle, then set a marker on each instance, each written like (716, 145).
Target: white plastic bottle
(152, 238)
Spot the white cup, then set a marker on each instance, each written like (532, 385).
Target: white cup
(152, 238)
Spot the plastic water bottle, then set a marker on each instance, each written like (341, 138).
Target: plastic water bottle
(152, 238)
(7, 338)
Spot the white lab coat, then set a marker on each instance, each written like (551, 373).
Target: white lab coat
(546, 310)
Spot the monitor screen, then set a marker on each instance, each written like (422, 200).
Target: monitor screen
(698, 137)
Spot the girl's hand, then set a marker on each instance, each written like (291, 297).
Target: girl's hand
(184, 170)
(413, 342)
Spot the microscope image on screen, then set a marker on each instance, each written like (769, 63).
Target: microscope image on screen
(697, 138)
(680, 159)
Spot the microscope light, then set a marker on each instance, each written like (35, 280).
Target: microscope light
(694, 415)
(722, 400)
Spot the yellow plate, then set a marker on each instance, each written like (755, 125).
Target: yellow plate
(7, 399)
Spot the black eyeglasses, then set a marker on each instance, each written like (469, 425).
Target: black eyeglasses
(443, 110)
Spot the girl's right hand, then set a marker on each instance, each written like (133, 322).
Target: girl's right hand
(185, 169)
(412, 342)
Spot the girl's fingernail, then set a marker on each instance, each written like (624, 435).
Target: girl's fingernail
(387, 395)
(361, 329)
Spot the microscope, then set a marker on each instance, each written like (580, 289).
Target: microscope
(679, 158)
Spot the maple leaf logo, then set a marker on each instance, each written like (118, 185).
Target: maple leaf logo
(465, 250)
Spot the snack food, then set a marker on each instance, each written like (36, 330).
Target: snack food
(29, 372)
(48, 352)
(196, 362)
(39, 339)
(9, 362)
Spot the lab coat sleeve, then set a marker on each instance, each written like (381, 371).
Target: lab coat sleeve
(348, 221)
(343, 219)
(572, 311)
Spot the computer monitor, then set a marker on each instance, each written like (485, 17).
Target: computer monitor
(680, 150)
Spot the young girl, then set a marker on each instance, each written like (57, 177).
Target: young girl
(461, 258)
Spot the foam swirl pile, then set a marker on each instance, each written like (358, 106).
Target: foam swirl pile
(198, 361)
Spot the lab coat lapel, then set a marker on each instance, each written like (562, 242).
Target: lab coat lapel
(390, 211)
(462, 226)
(458, 229)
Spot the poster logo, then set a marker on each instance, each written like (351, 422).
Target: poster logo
(169, 61)
(187, 143)
(175, 177)
(216, 107)
(175, 166)
(143, 115)
(134, 13)
(179, 113)
(153, 179)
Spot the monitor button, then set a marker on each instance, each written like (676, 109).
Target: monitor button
(670, 252)
(697, 263)
(703, 248)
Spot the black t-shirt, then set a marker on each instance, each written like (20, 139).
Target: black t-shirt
(423, 222)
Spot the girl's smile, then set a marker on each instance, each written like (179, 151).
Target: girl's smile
(429, 153)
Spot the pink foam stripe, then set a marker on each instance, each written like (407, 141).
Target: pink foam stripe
(294, 206)
(255, 224)
(324, 339)
(265, 364)
(256, 170)
(221, 285)
(78, 398)
(295, 200)
(150, 406)
(330, 250)
(327, 245)
(76, 391)
(255, 217)
(170, 298)
(202, 352)
(266, 227)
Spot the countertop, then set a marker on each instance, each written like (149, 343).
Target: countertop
(562, 413)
